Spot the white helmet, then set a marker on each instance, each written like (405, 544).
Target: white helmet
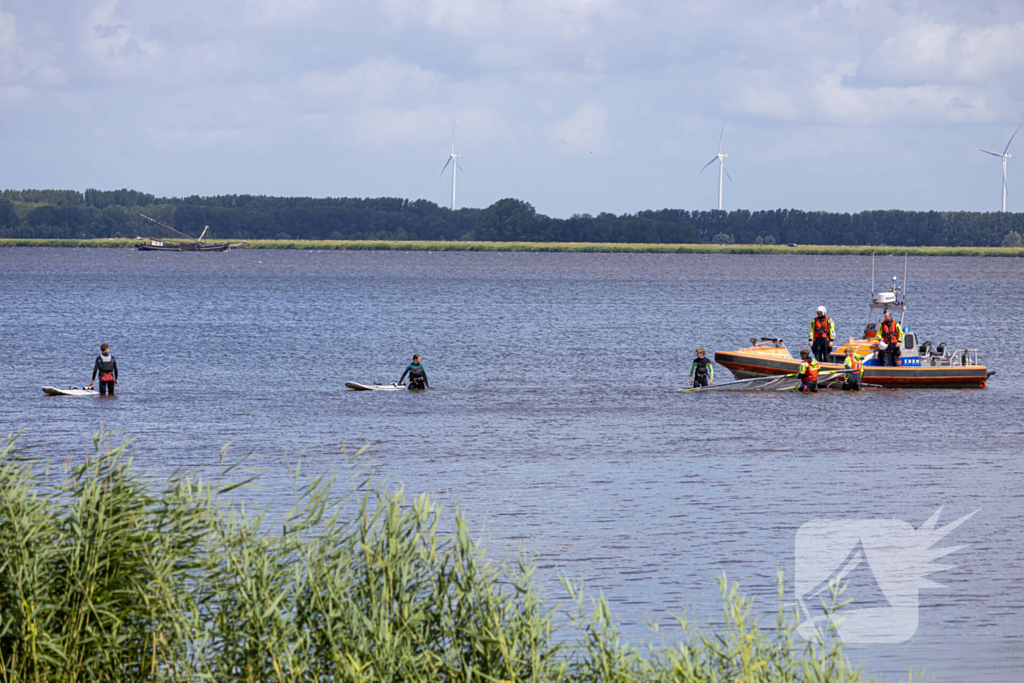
(821, 310)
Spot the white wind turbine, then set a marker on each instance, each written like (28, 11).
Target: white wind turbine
(720, 158)
(453, 159)
(1004, 156)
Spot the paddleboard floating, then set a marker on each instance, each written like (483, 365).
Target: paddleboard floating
(356, 386)
(73, 391)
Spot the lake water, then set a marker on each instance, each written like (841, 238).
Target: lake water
(553, 419)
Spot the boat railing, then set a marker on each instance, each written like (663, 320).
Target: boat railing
(958, 358)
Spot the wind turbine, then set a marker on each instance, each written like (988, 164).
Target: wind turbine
(453, 159)
(1004, 156)
(720, 157)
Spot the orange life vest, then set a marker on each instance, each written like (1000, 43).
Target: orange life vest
(889, 333)
(857, 366)
(821, 327)
(811, 375)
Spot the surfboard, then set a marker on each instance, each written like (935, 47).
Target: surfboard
(73, 391)
(356, 386)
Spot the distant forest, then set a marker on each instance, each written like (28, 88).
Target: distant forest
(95, 214)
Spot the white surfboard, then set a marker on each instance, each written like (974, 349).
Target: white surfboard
(356, 386)
(73, 391)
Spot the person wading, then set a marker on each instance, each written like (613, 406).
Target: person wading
(417, 375)
(106, 367)
(821, 336)
(702, 371)
(852, 362)
(891, 334)
(808, 373)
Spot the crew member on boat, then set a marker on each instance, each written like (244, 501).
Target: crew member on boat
(853, 362)
(702, 371)
(417, 375)
(890, 334)
(106, 367)
(821, 336)
(808, 373)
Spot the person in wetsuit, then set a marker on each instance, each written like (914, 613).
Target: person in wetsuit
(702, 371)
(106, 367)
(417, 375)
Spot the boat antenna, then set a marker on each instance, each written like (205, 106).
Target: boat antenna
(153, 220)
(872, 288)
(904, 314)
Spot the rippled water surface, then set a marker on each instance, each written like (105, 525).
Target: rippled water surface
(553, 420)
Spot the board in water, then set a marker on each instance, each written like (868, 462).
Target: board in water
(356, 386)
(73, 391)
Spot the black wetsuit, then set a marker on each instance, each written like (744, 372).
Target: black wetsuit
(701, 371)
(417, 376)
(106, 367)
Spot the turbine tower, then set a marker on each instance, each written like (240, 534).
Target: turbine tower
(453, 159)
(720, 158)
(1004, 156)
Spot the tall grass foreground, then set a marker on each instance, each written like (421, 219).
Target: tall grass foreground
(105, 576)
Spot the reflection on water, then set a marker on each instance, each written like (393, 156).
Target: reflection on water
(553, 421)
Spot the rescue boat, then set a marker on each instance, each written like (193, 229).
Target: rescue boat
(921, 364)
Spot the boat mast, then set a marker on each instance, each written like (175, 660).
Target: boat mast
(153, 220)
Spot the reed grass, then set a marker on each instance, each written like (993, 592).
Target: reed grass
(105, 577)
(578, 247)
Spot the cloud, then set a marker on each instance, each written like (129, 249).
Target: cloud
(374, 80)
(113, 45)
(583, 132)
(923, 50)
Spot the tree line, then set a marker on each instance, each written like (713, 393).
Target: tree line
(69, 214)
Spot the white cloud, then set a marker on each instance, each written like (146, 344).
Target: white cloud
(583, 132)
(112, 43)
(374, 80)
(922, 50)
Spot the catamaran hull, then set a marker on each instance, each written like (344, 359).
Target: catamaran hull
(746, 366)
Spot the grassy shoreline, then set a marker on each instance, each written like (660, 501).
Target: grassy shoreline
(580, 247)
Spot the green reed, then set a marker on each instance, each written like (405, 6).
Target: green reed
(105, 577)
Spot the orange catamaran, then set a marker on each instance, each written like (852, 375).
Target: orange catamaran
(921, 364)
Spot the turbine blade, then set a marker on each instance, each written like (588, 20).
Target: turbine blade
(1011, 139)
(992, 153)
(720, 136)
(443, 169)
(460, 167)
(454, 121)
(709, 163)
(726, 171)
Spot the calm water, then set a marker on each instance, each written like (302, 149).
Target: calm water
(553, 421)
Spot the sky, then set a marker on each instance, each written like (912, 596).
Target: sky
(576, 106)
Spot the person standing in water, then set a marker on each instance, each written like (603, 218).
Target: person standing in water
(808, 373)
(852, 362)
(417, 375)
(702, 371)
(106, 367)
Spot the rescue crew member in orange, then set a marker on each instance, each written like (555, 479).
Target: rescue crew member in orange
(852, 362)
(808, 373)
(891, 334)
(821, 336)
